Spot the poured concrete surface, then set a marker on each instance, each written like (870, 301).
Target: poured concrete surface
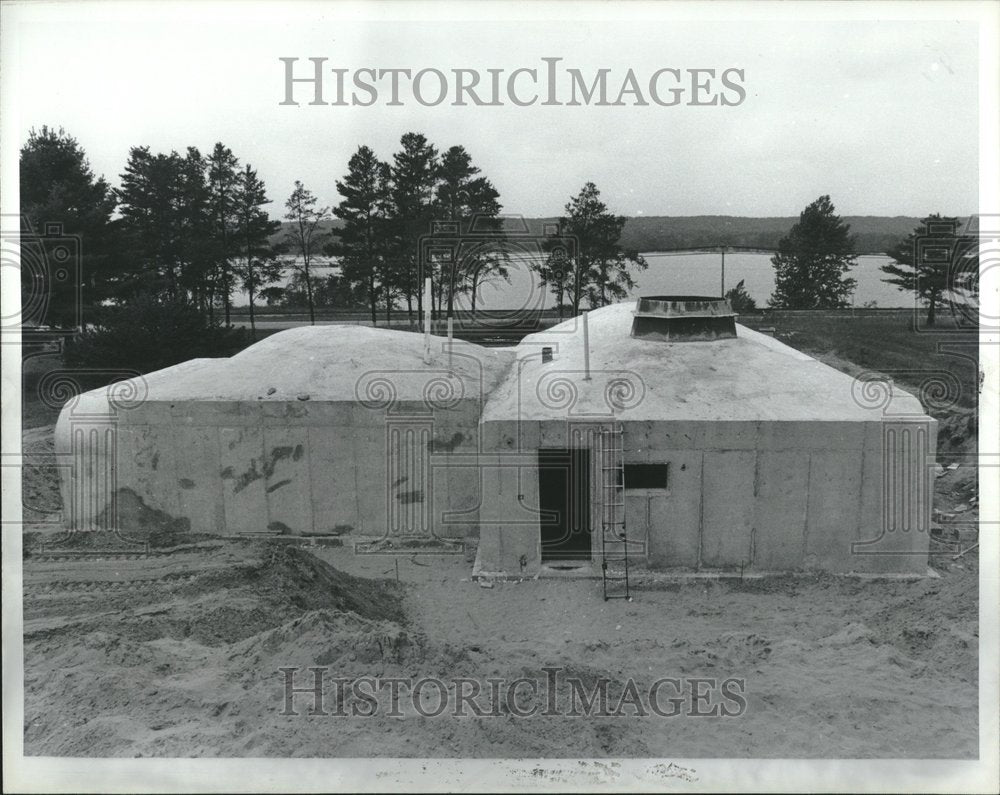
(333, 363)
(751, 378)
(769, 496)
(328, 430)
(777, 462)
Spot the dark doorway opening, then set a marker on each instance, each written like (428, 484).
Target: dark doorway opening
(564, 500)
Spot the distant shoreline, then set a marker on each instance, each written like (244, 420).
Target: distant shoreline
(677, 273)
(874, 234)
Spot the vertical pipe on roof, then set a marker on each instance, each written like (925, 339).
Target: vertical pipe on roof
(586, 349)
(427, 320)
(451, 330)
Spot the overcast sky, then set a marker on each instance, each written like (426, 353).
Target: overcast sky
(881, 116)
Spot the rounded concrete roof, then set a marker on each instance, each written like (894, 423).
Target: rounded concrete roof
(335, 363)
(751, 377)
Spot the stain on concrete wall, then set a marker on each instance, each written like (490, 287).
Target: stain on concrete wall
(134, 515)
(445, 445)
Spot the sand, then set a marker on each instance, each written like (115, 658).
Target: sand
(178, 654)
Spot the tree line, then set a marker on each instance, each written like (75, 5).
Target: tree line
(193, 228)
(935, 262)
(187, 229)
(190, 229)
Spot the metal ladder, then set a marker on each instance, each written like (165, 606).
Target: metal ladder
(614, 539)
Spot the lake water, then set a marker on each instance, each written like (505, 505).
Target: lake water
(682, 273)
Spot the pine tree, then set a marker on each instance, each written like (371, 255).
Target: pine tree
(364, 210)
(222, 176)
(555, 271)
(258, 265)
(149, 202)
(469, 201)
(57, 185)
(195, 244)
(305, 235)
(167, 226)
(739, 299)
(916, 269)
(812, 261)
(414, 176)
(598, 269)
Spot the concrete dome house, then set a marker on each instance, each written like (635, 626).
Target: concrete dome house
(709, 446)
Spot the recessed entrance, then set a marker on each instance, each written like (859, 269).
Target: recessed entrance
(564, 500)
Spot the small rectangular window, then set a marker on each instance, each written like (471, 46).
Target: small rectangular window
(646, 476)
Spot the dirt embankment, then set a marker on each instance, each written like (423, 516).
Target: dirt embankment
(180, 653)
(115, 643)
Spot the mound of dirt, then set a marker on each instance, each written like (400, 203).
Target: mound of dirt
(278, 584)
(344, 641)
(131, 526)
(261, 587)
(290, 579)
(138, 520)
(931, 621)
(40, 475)
(958, 431)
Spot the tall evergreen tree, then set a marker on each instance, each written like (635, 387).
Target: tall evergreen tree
(469, 201)
(223, 168)
(414, 176)
(555, 271)
(305, 235)
(57, 185)
(599, 269)
(195, 244)
(941, 263)
(258, 265)
(149, 202)
(812, 261)
(739, 299)
(167, 225)
(364, 209)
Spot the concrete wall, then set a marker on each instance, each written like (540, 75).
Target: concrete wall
(767, 496)
(277, 466)
(509, 527)
(770, 496)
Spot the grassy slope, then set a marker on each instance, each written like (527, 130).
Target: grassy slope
(888, 344)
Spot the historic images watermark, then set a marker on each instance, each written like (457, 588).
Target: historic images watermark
(50, 264)
(949, 261)
(549, 83)
(317, 691)
(464, 257)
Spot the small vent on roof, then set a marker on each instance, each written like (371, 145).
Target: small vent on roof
(683, 318)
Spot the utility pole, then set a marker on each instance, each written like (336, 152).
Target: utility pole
(723, 250)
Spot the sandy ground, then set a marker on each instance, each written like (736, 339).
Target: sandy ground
(177, 653)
